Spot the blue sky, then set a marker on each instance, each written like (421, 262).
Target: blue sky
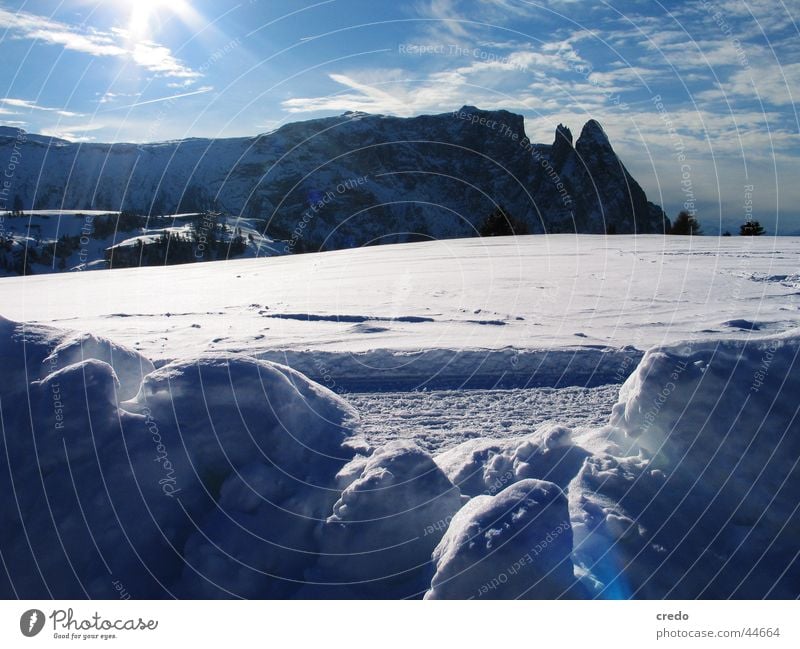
(697, 97)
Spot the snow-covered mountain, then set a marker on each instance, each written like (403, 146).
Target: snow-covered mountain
(350, 180)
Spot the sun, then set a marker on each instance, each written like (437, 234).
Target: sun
(146, 15)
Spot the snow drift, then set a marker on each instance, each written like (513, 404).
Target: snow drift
(378, 540)
(710, 508)
(227, 476)
(516, 544)
(209, 482)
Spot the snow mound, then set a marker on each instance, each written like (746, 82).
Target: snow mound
(32, 351)
(465, 464)
(708, 507)
(516, 544)
(210, 482)
(229, 410)
(129, 366)
(715, 405)
(488, 466)
(378, 541)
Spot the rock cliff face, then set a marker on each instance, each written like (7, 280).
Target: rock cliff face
(598, 195)
(352, 179)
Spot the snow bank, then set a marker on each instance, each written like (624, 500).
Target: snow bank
(129, 366)
(516, 544)
(488, 466)
(709, 507)
(692, 403)
(227, 476)
(691, 491)
(259, 446)
(455, 369)
(32, 351)
(379, 539)
(227, 410)
(210, 482)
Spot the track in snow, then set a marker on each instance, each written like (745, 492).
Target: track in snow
(441, 419)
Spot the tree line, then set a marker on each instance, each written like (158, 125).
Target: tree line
(499, 223)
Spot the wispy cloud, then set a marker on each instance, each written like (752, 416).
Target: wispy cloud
(75, 133)
(470, 75)
(24, 104)
(112, 43)
(451, 21)
(772, 84)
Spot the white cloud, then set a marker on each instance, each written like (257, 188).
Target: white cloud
(449, 19)
(76, 133)
(360, 96)
(29, 105)
(115, 43)
(392, 92)
(62, 134)
(476, 75)
(774, 84)
(158, 58)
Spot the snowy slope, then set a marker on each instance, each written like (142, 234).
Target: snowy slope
(536, 310)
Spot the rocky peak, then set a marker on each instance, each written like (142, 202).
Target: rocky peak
(562, 146)
(500, 122)
(593, 136)
(563, 134)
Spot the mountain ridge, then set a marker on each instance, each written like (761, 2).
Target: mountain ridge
(429, 176)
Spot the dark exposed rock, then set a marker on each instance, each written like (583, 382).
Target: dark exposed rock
(354, 179)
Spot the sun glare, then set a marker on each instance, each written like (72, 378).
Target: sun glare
(146, 15)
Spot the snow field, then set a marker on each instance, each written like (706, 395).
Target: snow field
(438, 314)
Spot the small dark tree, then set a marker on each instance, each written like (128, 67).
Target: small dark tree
(501, 224)
(751, 229)
(726, 234)
(24, 258)
(685, 224)
(18, 207)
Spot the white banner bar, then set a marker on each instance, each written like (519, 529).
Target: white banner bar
(349, 624)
